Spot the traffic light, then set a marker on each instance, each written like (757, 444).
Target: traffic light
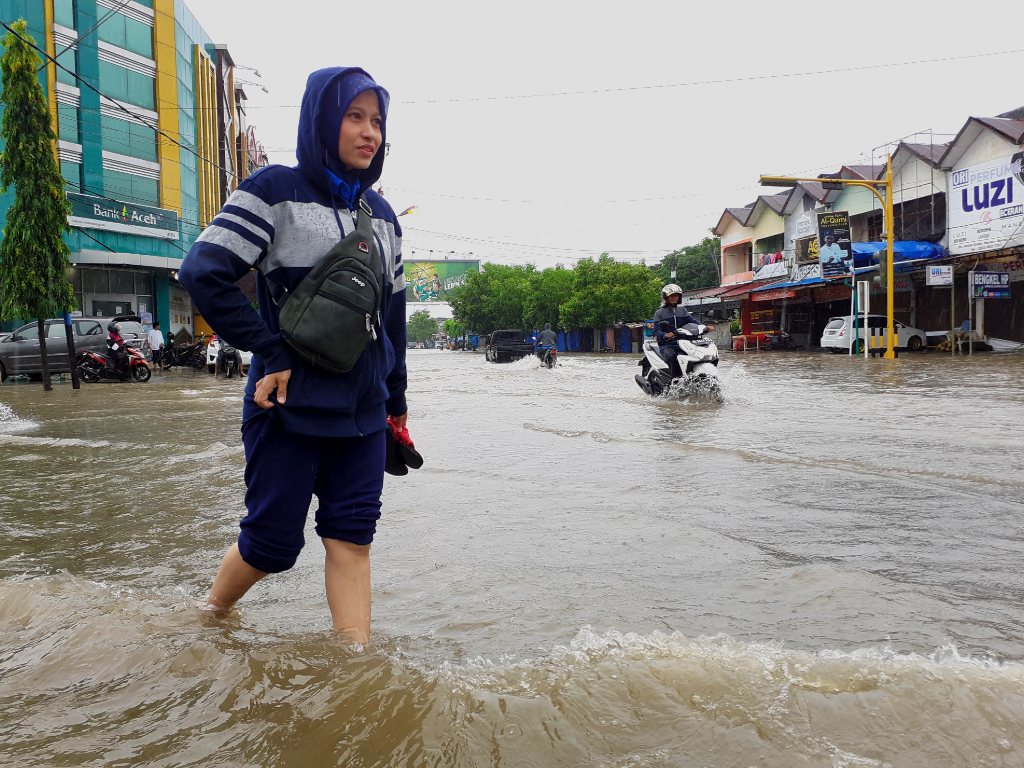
(883, 269)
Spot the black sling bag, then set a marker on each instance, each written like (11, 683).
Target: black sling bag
(334, 311)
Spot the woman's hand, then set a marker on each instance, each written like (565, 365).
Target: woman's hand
(265, 387)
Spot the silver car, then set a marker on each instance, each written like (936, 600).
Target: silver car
(19, 352)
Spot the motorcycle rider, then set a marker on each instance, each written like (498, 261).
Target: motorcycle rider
(669, 318)
(546, 339)
(116, 349)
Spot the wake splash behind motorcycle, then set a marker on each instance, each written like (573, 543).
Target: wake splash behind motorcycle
(694, 371)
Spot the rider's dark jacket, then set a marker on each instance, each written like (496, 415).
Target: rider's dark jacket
(677, 315)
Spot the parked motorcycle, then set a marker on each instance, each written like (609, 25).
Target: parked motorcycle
(229, 360)
(186, 355)
(693, 372)
(95, 366)
(548, 357)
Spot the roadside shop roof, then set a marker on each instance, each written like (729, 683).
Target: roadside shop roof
(803, 283)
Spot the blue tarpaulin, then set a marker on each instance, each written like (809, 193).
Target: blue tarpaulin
(868, 254)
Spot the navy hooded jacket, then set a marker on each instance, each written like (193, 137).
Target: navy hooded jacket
(281, 221)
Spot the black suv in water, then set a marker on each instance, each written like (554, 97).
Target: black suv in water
(506, 346)
(19, 352)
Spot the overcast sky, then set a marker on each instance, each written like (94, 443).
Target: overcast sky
(544, 132)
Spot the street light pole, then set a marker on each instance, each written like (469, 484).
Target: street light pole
(887, 212)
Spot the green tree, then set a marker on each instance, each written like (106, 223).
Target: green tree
(453, 329)
(549, 290)
(696, 266)
(606, 292)
(33, 255)
(421, 326)
(493, 298)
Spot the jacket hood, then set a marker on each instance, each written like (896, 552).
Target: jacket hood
(328, 94)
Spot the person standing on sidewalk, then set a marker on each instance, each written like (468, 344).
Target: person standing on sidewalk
(155, 337)
(307, 431)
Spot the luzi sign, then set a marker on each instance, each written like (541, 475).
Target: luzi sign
(986, 205)
(92, 212)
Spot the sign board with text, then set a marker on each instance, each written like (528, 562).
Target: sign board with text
(989, 285)
(92, 212)
(834, 249)
(986, 205)
(939, 274)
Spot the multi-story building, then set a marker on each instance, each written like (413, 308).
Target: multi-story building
(151, 138)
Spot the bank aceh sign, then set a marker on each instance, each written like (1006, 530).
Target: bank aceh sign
(90, 212)
(986, 206)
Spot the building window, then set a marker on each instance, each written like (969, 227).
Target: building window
(64, 14)
(131, 188)
(876, 226)
(68, 61)
(67, 123)
(72, 173)
(128, 138)
(124, 85)
(129, 34)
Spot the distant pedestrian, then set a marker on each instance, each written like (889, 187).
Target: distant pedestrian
(155, 337)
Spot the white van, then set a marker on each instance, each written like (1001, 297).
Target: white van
(839, 334)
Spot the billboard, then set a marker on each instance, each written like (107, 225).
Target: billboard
(834, 252)
(432, 280)
(986, 206)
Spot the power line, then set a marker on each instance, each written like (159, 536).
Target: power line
(721, 81)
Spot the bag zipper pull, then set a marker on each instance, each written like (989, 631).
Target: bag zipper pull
(369, 327)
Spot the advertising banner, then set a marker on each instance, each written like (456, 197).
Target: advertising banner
(834, 251)
(986, 206)
(432, 280)
(989, 285)
(91, 212)
(939, 274)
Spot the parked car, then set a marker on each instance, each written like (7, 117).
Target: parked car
(507, 345)
(213, 347)
(840, 331)
(19, 352)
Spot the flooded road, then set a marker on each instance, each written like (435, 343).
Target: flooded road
(823, 570)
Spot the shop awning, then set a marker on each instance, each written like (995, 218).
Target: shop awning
(703, 296)
(806, 282)
(742, 289)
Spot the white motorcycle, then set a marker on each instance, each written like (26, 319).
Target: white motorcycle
(693, 372)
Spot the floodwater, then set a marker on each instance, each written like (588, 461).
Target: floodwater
(823, 570)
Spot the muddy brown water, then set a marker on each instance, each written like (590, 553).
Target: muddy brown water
(823, 570)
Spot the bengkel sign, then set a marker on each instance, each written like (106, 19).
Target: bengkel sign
(986, 205)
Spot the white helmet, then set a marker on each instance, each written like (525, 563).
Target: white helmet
(669, 289)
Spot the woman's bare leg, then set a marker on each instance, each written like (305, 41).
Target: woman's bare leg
(347, 578)
(233, 580)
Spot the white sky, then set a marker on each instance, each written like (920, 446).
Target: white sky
(638, 164)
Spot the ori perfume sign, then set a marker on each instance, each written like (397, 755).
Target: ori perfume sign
(986, 206)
